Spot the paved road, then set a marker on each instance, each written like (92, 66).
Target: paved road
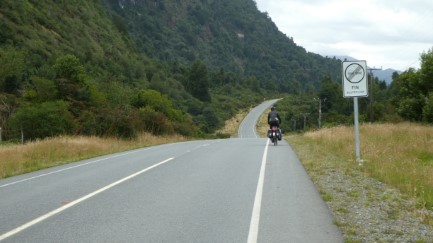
(231, 190)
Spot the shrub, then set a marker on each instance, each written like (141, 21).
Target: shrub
(43, 120)
(154, 121)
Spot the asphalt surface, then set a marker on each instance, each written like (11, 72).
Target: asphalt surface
(232, 190)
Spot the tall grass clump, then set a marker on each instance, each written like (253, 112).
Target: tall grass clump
(231, 126)
(400, 155)
(32, 156)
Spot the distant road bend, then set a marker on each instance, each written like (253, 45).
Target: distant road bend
(231, 190)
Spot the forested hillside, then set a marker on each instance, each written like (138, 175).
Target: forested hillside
(116, 68)
(121, 67)
(227, 34)
(65, 68)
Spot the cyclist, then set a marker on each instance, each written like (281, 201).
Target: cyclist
(274, 120)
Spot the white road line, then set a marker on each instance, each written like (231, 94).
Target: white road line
(255, 218)
(73, 203)
(69, 168)
(254, 130)
(240, 128)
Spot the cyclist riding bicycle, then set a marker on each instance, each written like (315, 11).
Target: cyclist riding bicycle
(274, 120)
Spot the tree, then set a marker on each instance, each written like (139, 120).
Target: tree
(412, 91)
(426, 71)
(154, 121)
(410, 96)
(11, 69)
(428, 109)
(196, 81)
(69, 67)
(41, 90)
(411, 108)
(332, 91)
(158, 102)
(43, 120)
(70, 78)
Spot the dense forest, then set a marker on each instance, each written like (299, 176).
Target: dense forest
(408, 98)
(232, 35)
(121, 67)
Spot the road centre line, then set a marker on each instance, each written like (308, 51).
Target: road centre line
(255, 218)
(73, 203)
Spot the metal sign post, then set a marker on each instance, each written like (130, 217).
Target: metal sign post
(355, 85)
(357, 142)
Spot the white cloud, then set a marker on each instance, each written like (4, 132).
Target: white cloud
(388, 34)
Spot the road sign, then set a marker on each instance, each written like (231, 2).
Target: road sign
(355, 82)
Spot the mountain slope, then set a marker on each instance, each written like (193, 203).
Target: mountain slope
(118, 67)
(382, 75)
(47, 30)
(66, 67)
(385, 75)
(70, 68)
(229, 34)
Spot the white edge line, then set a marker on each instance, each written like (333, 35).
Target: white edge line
(255, 218)
(240, 128)
(73, 203)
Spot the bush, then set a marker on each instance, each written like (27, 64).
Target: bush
(43, 120)
(109, 122)
(428, 109)
(154, 121)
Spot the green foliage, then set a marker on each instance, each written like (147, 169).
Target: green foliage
(43, 120)
(68, 67)
(208, 120)
(233, 35)
(428, 109)
(11, 69)
(196, 81)
(8, 105)
(410, 108)
(154, 121)
(156, 101)
(111, 68)
(426, 71)
(413, 90)
(40, 89)
(331, 94)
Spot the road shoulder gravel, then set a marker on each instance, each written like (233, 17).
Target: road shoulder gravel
(365, 209)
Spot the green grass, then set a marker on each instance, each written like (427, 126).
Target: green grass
(400, 155)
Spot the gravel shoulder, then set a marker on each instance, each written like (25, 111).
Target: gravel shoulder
(365, 209)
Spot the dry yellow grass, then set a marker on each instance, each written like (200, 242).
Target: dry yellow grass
(262, 125)
(400, 155)
(232, 125)
(18, 159)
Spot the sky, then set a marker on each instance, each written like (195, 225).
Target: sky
(386, 34)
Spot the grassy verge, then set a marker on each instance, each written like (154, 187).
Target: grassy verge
(32, 156)
(399, 155)
(232, 125)
(17, 159)
(262, 125)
